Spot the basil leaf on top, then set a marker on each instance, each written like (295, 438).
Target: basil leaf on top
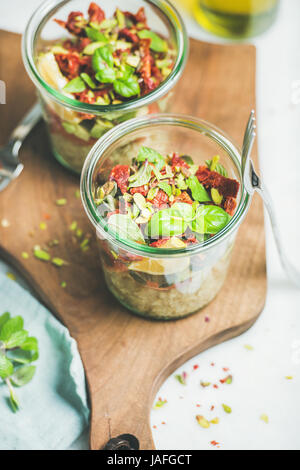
(127, 88)
(76, 85)
(125, 227)
(106, 75)
(157, 43)
(101, 54)
(199, 193)
(184, 210)
(141, 177)
(95, 35)
(210, 219)
(166, 223)
(165, 187)
(147, 153)
(218, 168)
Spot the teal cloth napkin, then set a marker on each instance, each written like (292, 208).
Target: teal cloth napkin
(54, 409)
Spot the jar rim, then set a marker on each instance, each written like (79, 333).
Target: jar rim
(48, 7)
(197, 124)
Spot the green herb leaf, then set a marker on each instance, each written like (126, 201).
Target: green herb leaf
(16, 339)
(227, 408)
(76, 85)
(23, 375)
(127, 88)
(210, 219)
(102, 55)
(11, 326)
(95, 35)
(3, 318)
(14, 402)
(147, 153)
(184, 210)
(199, 193)
(166, 223)
(181, 379)
(106, 75)
(165, 187)
(88, 80)
(6, 367)
(218, 168)
(125, 72)
(125, 227)
(141, 177)
(157, 43)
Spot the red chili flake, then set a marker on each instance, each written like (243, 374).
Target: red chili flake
(206, 319)
(163, 422)
(96, 14)
(129, 35)
(154, 426)
(161, 199)
(226, 369)
(215, 386)
(212, 364)
(227, 379)
(196, 366)
(72, 23)
(120, 174)
(198, 405)
(46, 216)
(178, 162)
(212, 408)
(140, 189)
(215, 443)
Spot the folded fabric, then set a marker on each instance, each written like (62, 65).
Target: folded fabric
(53, 406)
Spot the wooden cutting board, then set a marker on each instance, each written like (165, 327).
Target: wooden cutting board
(126, 358)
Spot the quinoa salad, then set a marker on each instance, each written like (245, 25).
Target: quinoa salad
(165, 202)
(106, 61)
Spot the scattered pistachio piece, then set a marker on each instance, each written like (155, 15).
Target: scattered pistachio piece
(181, 378)
(58, 262)
(289, 377)
(215, 421)
(114, 254)
(227, 408)
(63, 284)
(43, 225)
(61, 202)
(205, 384)
(11, 276)
(248, 347)
(41, 254)
(73, 226)
(84, 243)
(204, 423)
(216, 196)
(265, 418)
(25, 255)
(214, 162)
(77, 193)
(159, 403)
(79, 233)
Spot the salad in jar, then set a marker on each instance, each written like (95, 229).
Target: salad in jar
(107, 62)
(165, 202)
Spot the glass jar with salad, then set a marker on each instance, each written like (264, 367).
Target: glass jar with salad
(165, 196)
(96, 65)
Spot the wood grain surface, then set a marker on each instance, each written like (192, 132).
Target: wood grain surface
(126, 358)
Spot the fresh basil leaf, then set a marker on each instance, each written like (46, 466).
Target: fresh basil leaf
(22, 357)
(127, 88)
(184, 210)
(102, 54)
(147, 153)
(76, 85)
(6, 367)
(88, 80)
(125, 72)
(16, 339)
(166, 223)
(157, 43)
(125, 227)
(199, 193)
(95, 35)
(219, 168)
(11, 326)
(187, 159)
(23, 375)
(210, 219)
(141, 177)
(3, 318)
(165, 187)
(106, 75)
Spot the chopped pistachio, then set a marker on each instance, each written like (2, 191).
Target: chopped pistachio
(289, 377)
(248, 347)
(43, 225)
(229, 380)
(205, 384)
(63, 284)
(139, 200)
(114, 254)
(41, 254)
(53, 243)
(216, 196)
(265, 418)
(159, 403)
(204, 423)
(61, 202)
(227, 408)
(79, 233)
(77, 193)
(25, 255)
(11, 276)
(215, 421)
(58, 262)
(73, 226)
(214, 162)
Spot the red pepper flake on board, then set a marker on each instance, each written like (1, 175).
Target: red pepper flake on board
(227, 380)
(213, 364)
(212, 408)
(215, 386)
(195, 366)
(214, 443)
(226, 369)
(207, 319)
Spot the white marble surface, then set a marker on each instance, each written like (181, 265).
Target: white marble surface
(259, 384)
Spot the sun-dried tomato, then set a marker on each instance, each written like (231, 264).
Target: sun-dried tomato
(120, 174)
(229, 205)
(226, 186)
(72, 23)
(146, 58)
(69, 64)
(140, 189)
(161, 199)
(96, 14)
(160, 242)
(139, 17)
(183, 197)
(178, 162)
(129, 35)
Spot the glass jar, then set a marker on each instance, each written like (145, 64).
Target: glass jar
(155, 282)
(71, 136)
(236, 18)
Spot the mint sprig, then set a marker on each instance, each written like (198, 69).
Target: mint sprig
(17, 351)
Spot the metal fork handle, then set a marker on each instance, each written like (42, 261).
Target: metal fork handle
(26, 124)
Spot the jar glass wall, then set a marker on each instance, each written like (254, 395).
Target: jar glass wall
(156, 282)
(74, 126)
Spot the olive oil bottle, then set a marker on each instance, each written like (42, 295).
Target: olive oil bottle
(235, 18)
